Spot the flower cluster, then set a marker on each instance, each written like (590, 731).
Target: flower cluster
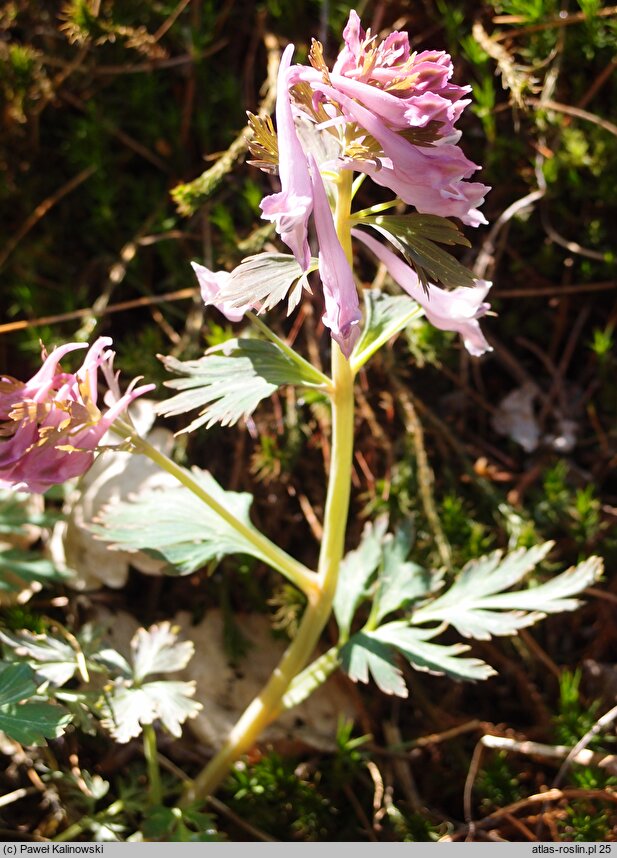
(385, 112)
(398, 111)
(50, 426)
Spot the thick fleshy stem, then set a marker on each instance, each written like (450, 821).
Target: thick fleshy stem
(266, 707)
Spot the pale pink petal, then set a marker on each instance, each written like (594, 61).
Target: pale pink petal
(431, 179)
(55, 425)
(343, 313)
(354, 36)
(290, 209)
(211, 283)
(413, 111)
(458, 310)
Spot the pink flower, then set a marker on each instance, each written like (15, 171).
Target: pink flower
(341, 296)
(52, 424)
(458, 310)
(382, 91)
(413, 111)
(211, 283)
(290, 209)
(429, 178)
(403, 88)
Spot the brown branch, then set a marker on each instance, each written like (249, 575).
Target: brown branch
(41, 210)
(171, 20)
(548, 291)
(190, 195)
(179, 295)
(563, 20)
(548, 104)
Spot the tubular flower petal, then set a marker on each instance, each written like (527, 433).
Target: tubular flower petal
(211, 283)
(400, 111)
(403, 88)
(342, 314)
(51, 424)
(13, 393)
(290, 209)
(431, 179)
(458, 310)
(413, 111)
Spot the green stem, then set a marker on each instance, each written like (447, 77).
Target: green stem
(270, 553)
(311, 678)
(85, 822)
(358, 216)
(270, 701)
(310, 371)
(155, 790)
(361, 356)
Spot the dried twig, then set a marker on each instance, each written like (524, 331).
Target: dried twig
(402, 768)
(582, 757)
(563, 20)
(486, 257)
(578, 751)
(359, 811)
(557, 291)
(16, 795)
(474, 768)
(41, 210)
(523, 804)
(188, 197)
(146, 301)
(171, 20)
(513, 77)
(115, 276)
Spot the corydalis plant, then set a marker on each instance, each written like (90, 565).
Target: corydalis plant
(384, 112)
(387, 113)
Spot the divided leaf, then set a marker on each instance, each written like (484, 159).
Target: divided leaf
(401, 581)
(363, 654)
(430, 657)
(158, 650)
(54, 659)
(229, 384)
(127, 708)
(478, 608)
(16, 683)
(384, 316)
(355, 573)
(378, 569)
(374, 653)
(31, 722)
(172, 703)
(431, 227)
(415, 235)
(264, 279)
(131, 702)
(178, 526)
